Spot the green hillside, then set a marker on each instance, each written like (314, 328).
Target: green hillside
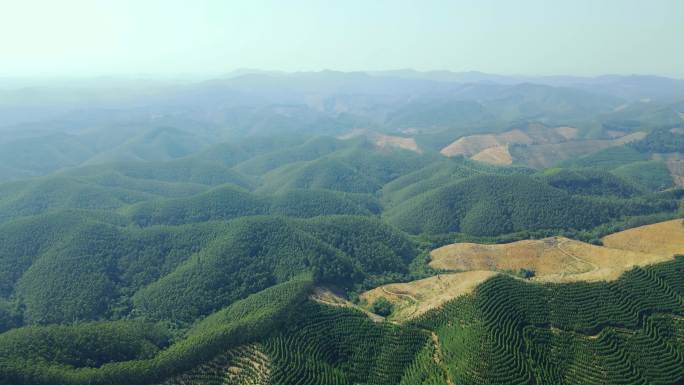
(20, 199)
(510, 332)
(229, 202)
(229, 231)
(78, 266)
(592, 182)
(609, 158)
(244, 321)
(329, 174)
(494, 205)
(187, 170)
(506, 332)
(311, 149)
(438, 174)
(652, 175)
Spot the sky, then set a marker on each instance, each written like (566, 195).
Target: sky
(213, 37)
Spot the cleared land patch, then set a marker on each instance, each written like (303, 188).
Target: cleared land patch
(412, 299)
(494, 155)
(558, 259)
(553, 259)
(384, 141)
(326, 296)
(546, 155)
(473, 144)
(567, 132)
(535, 145)
(664, 238)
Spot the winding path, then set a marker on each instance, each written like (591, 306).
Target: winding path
(576, 258)
(409, 296)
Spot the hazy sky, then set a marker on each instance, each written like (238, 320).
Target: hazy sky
(166, 37)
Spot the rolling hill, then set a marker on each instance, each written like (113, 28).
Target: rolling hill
(494, 205)
(388, 228)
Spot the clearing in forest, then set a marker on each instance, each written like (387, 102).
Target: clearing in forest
(494, 155)
(664, 238)
(384, 141)
(412, 299)
(553, 259)
(328, 297)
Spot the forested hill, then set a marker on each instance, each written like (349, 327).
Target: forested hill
(226, 232)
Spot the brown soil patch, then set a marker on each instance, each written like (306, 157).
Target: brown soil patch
(412, 299)
(559, 259)
(567, 132)
(633, 137)
(493, 148)
(546, 155)
(497, 155)
(410, 144)
(554, 259)
(384, 141)
(615, 133)
(473, 144)
(665, 238)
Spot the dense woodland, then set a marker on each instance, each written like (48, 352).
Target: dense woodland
(136, 253)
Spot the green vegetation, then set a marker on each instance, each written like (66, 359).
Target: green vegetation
(79, 268)
(187, 170)
(229, 202)
(243, 322)
(439, 174)
(252, 255)
(653, 175)
(661, 140)
(495, 205)
(506, 332)
(90, 344)
(382, 307)
(609, 158)
(359, 168)
(311, 149)
(511, 332)
(145, 254)
(590, 182)
(340, 346)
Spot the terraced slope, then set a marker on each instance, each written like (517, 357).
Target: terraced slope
(244, 365)
(629, 331)
(197, 355)
(507, 331)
